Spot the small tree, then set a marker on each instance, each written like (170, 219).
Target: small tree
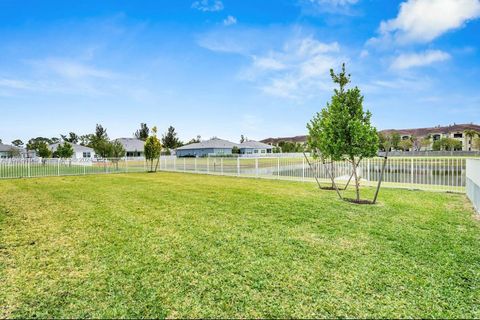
(44, 151)
(405, 145)
(235, 150)
(14, 153)
(425, 142)
(64, 151)
(143, 132)
(153, 149)
(117, 151)
(243, 139)
(395, 140)
(342, 129)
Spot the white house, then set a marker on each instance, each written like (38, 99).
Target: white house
(79, 152)
(255, 147)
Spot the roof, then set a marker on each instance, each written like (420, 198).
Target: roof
(7, 148)
(214, 143)
(76, 147)
(132, 144)
(421, 132)
(255, 145)
(297, 139)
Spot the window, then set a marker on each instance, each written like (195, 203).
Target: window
(264, 151)
(405, 137)
(436, 137)
(458, 135)
(255, 151)
(87, 155)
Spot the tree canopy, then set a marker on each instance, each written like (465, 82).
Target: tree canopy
(143, 132)
(170, 139)
(64, 151)
(153, 149)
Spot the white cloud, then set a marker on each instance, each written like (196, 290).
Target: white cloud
(72, 69)
(410, 60)
(208, 5)
(301, 67)
(327, 6)
(230, 20)
(421, 21)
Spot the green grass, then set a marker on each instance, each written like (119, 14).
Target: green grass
(180, 245)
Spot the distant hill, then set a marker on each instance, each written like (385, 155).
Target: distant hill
(274, 141)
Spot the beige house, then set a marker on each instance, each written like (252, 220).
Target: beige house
(455, 131)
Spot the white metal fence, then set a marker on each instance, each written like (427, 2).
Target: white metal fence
(30, 168)
(473, 182)
(436, 174)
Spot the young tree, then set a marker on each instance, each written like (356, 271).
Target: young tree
(100, 143)
(17, 143)
(235, 150)
(43, 151)
(342, 130)
(405, 145)
(153, 149)
(170, 139)
(143, 132)
(243, 139)
(425, 142)
(1, 141)
(395, 140)
(14, 153)
(64, 151)
(117, 151)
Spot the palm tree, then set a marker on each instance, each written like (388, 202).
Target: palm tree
(469, 133)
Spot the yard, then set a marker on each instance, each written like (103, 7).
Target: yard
(185, 245)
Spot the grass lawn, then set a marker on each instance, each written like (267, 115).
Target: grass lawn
(184, 245)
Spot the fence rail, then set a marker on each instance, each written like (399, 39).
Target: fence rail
(435, 174)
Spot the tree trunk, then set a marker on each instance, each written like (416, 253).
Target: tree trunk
(156, 165)
(357, 184)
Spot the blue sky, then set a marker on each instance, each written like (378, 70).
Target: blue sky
(225, 68)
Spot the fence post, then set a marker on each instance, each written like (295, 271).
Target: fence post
(126, 164)
(195, 164)
(28, 164)
(84, 168)
(184, 165)
(221, 166)
(58, 167)
(411, 172)
(303, 169)
(278, 168)
(208, 164)
(238, 166)
(368, 170)
(256, 167)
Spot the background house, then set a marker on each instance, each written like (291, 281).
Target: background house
(135, 148)
(8, 151)
(255, 147)
(455, 131)
(214, 146)
(79, 152)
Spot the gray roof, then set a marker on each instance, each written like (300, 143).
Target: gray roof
(132, 144)
(7, 148)
(255, 145)
(214, 143)
(76, 147)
